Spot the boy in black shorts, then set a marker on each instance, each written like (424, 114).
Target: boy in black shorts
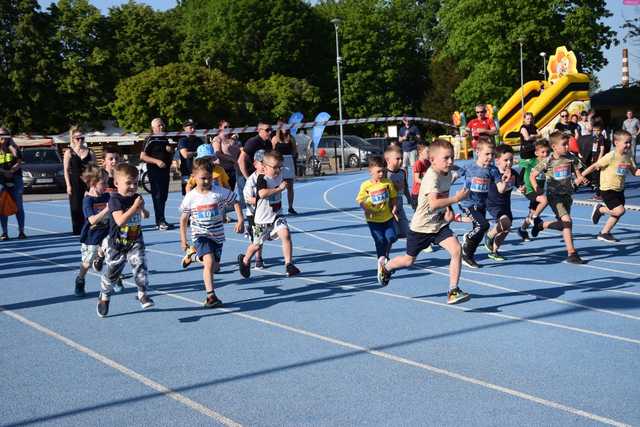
(537, 199)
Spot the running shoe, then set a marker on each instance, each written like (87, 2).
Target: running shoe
(164, 226)
(212, 301)
(457, 295)
(537, 226)
(469, 261)
(523, 234)
(188, 256)
(384, 275)
(22, 236)
(79, 291)
(98, 262)
(145, 301)
(102, 308)
(574, 258)
(245, 269)
(488, 243)
(465, 243)
(292, 211)
(259, 264)
(496, 256)
(607, 237)
(291, 269)
(596, 214)
(119, 286)
(4, 236)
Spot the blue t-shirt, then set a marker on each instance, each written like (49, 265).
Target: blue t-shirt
(411, 133)
(478, 180)
(92, 205)
(503, 200)
(126, 235)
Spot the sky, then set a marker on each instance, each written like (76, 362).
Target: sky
(609, 76)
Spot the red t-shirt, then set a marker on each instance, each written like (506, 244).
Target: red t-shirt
(478, 123)
(419, 167)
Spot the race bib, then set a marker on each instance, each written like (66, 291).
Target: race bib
(622, 169)
(205, 212)
(594, 147)
(562, 172)
(479, 185)
(379, 196)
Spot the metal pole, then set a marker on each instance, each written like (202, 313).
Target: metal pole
(544, 65)
(336, 23)
(521, 80)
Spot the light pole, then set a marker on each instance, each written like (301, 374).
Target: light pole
(544, 65)
(521, 40)
(336, 23)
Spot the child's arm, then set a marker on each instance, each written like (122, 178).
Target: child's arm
(122, 217)
(501, 185)
(393, 202)
(184, 220)
(99, 217)
(267, 192)
(239, 228)
(436, 203)
(590, 169)
(407, 193)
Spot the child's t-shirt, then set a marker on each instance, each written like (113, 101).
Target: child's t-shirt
(503, 200)
(426, 219)
(206, 210)
(218, 177)
(110, 187)
(420, 167)
(376, 197)
(249, 191)
(558, 173)
(267, 209)
(527, 166)
(93, 205)
(399, 179)
(126, 235)
(614, 167)
(478, 179)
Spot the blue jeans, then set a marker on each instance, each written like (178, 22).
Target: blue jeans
(16, 192)
(384, 235)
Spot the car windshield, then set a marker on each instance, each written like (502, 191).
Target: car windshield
(40, 156)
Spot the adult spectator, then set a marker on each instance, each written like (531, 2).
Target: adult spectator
(157, 154)
(227, 149)
(284, 144)
(632, 125)
(481, 125)
(187, 146)
(262, 141)
(75, 161)
(528, 136)
(11, 181)
(572, 130)
(408, 136)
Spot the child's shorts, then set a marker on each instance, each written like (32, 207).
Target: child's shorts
(612, 198)
(498, 212)
(416, 242)
(89, 253)
(533, 203)
(560, 204)
(204, 246)
(264, 232)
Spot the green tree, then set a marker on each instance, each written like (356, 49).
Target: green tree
(444, 78)
(141, 38)
(279, 96)
(27, 68)
(385, 48)
(483, 39)
(176, 92)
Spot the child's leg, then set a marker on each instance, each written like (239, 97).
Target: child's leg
(614, 216)
(114, 261)
(567, 234)
(401, 261)
(502, 229)
(207, 271)
(480, 227)
(452, 246)
(390, 236)
(403, 223)
(287, 246)
(377, 232)
(252, 249)
(137, 258)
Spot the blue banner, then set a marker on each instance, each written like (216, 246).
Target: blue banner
(294, 120)
(319, 129)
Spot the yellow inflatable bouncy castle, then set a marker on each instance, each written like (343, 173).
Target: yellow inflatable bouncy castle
(566, 89)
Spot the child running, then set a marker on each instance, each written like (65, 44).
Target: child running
(478, 177)
(249, 192)
(377, 197)
(419, 169)
(537, 200)
(499, 203)
(204, 208)
(96, 225)
(125, 242)
(398, 175)
(558, 168)
(269, 223)
(430, 223)
(111, 159)
(613, 167)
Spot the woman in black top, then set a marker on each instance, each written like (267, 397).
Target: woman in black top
(528, 137)
(285, 144)
(11, 181)
(76, 159)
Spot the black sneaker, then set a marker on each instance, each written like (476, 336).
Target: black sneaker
(537, 227)
(523, 235)
(103, 306)
(291, 269)
(98, 263)
(79, 292)
(607, 237)
(145, 302)
(164, 226)
(469, 261)
(465, 243)
(245, 269)
(22, 236)
(212, 301)
(595, 213)
(292, 211)
(259, 264)
(574, 258)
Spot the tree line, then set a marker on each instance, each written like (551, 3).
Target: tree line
(245, 59)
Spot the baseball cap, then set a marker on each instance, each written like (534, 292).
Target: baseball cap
(258, 156)
(189, 122)
(205, 150)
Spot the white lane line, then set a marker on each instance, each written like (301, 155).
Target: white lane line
(162, 389)
(387, 356)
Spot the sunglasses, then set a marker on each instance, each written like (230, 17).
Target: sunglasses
(564, 116)
(79, 138)
(275, 168)
(265, 129)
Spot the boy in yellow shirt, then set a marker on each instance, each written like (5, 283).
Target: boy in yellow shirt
(613, 167)
(377, 197)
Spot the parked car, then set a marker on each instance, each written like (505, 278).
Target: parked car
(356, 150)
(380, 142)
(42, 168)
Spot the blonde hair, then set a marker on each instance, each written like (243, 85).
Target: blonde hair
(72, 131)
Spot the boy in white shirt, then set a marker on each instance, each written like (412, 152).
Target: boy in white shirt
(249, 192)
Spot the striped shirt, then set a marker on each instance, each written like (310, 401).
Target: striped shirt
(205, 211)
